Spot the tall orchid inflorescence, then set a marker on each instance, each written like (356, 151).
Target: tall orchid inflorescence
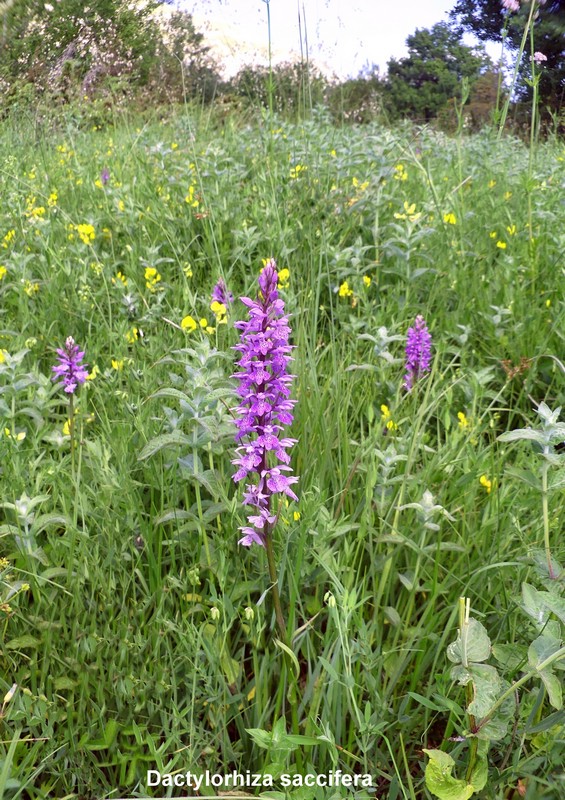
(265, 407)
(70, 369)
(418, 352)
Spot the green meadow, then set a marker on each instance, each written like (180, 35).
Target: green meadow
(419, 572)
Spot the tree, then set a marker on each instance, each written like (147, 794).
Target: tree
(487, 19)
(421, 84)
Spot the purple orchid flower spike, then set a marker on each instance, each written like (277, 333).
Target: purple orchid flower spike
(265, 406)
(70, 369)
(418, 352)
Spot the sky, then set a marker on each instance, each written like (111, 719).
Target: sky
(343, 35)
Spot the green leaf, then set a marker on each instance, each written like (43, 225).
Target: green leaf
(533, 603)
(424, 701)
(23, 642)
(439, 780)
(231, 668)
(486, 686)
(290, 654)
(539, 651)
(509, 656)
(523, 433)
(163, 441)
(472, 644)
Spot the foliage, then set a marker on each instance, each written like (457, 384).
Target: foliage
(419, 85)
(488, 20)
(67, 50)
(295, 87)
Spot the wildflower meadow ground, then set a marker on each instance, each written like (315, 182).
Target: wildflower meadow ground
(314, 532)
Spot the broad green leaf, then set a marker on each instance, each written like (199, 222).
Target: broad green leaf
(523, 433)
(23, 642)
(472, 644)
(533, 603)
(441, 782)
(509, 656)
(163, 441)
(539, 651)
(486, 686)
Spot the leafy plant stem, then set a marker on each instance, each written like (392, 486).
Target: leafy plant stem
(533, 6)
(553, 658)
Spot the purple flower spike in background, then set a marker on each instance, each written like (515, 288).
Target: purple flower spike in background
(104, 176)
(69, 368)
(265, 407)
(220, 293)
(418, 352)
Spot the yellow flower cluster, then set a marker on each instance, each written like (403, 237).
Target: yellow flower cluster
(450, 218)
(85, 231)
(297, 170)
(386, 418)
(400, 173)
(220, 312)
(32, 211)
(410, 212)
(344, 290)
(120, 279)
(486, 483)
(3, 272)
(8, 238)
(152, 278)
(189, 324)
(191, 197)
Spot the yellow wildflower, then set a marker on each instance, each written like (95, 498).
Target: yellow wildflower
(189, 324)
(501, 245)
(121, 205)
(8, 238)
(52, 199)
(93, 373)
(86, 232)
(296, 170)
(67, 428)
(219, 310)
(344, 290)
(3, 272)
(386, 418)
(409, 212)
(17, 437)
(511, 230)
(118, 364)
(367, 280)
(400, 173)
(120, 278)
(30, 287)
(491, 184)
(450, 218)
(463, 421)
(486, 483)
(507, 195)
(132, 335)
(191, 198)
(152, 278)
(187, 269)
(174, 146)
(3, 354)
(284, 277)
